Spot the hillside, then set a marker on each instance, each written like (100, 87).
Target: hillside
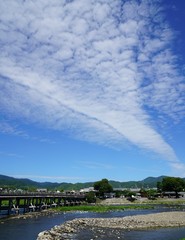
(6, 181)
(150, 182)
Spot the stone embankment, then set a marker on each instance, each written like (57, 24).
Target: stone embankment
(157, 220)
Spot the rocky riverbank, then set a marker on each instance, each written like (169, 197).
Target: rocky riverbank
(157, 220)
(28, 215)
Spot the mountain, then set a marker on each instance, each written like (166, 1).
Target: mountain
(149, 182)
(152, 180)
(6, 181)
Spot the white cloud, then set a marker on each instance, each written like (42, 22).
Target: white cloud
(96, 165)
(13, 130)
(7, 128)
(10, 154)
(178, 168)
(50, 178)
(92, 67)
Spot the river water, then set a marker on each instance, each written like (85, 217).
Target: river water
(28, 229)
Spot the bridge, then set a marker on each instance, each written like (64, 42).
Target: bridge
(13, 203)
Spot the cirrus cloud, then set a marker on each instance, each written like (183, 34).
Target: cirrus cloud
(95, 67)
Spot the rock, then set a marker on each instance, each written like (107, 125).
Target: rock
(167, 219)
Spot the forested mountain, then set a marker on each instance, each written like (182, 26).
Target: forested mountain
(6, 181)
(149, 182)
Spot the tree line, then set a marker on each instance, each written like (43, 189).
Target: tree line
(168, 184)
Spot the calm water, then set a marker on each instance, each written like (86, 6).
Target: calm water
(21, 229)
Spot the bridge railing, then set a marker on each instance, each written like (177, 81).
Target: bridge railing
(34, 194)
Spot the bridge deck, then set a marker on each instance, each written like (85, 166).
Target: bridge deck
(28, 202)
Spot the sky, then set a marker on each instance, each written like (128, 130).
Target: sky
(92, 89)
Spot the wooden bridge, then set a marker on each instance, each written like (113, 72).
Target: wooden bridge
(13, 203)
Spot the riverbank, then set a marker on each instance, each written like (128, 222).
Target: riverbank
(122, 201)
(28, 215)
(81, 208)
(148, 221)
(110, 204)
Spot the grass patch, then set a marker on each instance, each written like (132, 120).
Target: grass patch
(167, 202)
(101, 208)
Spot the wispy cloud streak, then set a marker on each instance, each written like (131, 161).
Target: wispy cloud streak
(95, 165)
(95, 67)
(49, 178)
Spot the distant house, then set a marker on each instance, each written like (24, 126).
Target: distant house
(70, 192)
(182, 194)
(42, 190)
(109, 195)
(18, 191)
(173, 194)
(87, 190)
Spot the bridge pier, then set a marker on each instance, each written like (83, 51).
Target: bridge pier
(34, 202)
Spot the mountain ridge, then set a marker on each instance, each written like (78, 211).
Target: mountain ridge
(7, 181)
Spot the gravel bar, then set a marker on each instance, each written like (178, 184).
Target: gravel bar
(147, 221)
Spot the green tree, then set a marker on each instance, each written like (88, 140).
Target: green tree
(143, 192)
(159, 187)
(151, 193)
(118, 193)
(126, 193)
(102, 187)
(173, 184)
(90, 197)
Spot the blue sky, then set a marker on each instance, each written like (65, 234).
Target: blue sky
(92, 89)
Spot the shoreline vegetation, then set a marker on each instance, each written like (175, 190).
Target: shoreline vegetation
(103, 208)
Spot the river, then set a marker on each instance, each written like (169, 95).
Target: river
(28, 229)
